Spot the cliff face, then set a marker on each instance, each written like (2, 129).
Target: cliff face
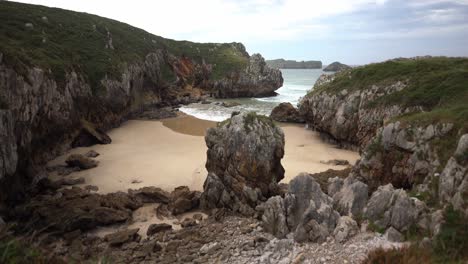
(56, 85)
(407, 118)
(292, 64)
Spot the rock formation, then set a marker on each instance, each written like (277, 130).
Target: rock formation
(292, 64)
(243, 162)
(257, 80)
(336, 67)
(285, 112)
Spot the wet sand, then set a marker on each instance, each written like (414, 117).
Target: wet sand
(172, 152)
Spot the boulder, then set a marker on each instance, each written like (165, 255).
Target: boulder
(183, 200)
(90, 135)
(80, 161)
(188, 222)
(286, 112)
(230, 104)
(351, 198)
(345, 229)
(151, 194)
(274, 217)
(243, 162)
(156, 228)
(310, 213)
(393, 235)
(121, 237)
(388, 207)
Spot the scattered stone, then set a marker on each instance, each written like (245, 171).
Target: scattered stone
(209, 248)
(183, 200)
(91, 188)
(286, 112)
(80, 161)
(29, 25)
(135, 181)
(121, 237)
(151, 194)
(91, 154)
(393, 235)
(156, 228)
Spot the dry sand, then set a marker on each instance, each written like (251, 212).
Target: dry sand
(171, 153)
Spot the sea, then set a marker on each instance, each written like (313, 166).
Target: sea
(297, 82)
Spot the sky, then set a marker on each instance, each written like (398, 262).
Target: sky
(350, 31)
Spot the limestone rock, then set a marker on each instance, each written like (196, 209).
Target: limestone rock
(121, 237)
(345, 229)
(389, 207)
(256, 81)
(352, 197)
(285, 112)
(156, 228)
(393, 235)
(274, 218)
(243, 162)
(90, 135)
(80, 161)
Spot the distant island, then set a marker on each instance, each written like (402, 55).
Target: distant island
(292, 64)
(336, 67)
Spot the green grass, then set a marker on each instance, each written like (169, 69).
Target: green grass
(14, 252)
(76, 41)
(451, 244)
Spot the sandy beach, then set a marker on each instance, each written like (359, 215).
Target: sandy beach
(172, 152)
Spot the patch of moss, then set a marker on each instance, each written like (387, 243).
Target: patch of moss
(250, 118)
(62, 41)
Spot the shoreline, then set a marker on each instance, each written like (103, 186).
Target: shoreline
(171, 152)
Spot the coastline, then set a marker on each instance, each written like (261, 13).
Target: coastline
(171, 152)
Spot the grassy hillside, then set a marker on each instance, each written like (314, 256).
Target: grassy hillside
(439, 85)
(61, 40)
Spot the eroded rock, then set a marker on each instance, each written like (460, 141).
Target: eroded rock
(345, 229)
(80, 161)
(351, 198)
(156, 228)
(121, 237)
(286, 112)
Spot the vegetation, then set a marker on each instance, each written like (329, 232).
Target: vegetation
(250, 118)
(406, 255)
(62, 41)
(12, 251)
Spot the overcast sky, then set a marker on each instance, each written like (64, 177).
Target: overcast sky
(350, 31)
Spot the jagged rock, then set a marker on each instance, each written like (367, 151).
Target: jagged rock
(121, 237)
(345, 229)
(70, 181)
(286, 112)
(309, 211)
(156, 228)
(453, 181)
(243, 162)
(91, 154)
(183, 200)
(334, 185)
(274, 217)
(389, 207)
(393, 235)
(90, 135)
(151, 194)
(80, 161)
(265, 80)
(351, 198)
(209, 248)
(336, 67)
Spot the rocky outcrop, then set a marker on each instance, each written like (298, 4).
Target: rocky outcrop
(453, 182)
(286, 112)
(257, 80)
(243, 162)
(349, 196)
(345, 116)
(292, 64)
(183, 200)
(336, 67)
(388, 207)
(305, 211)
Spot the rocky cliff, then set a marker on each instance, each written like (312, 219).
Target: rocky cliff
(292, 64)
(406, 116)
(336, 67)
(65, 77)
